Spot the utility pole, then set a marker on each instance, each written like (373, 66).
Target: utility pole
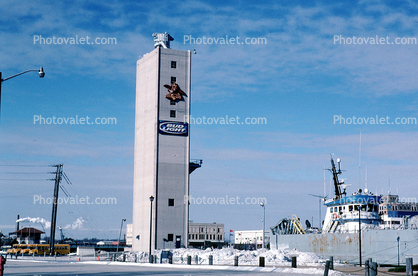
(58, 177)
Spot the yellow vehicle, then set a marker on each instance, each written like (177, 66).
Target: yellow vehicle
(62, 249)
(16, 248)
(27, 249)
(40, 249)
(59, 249)
(9, 251)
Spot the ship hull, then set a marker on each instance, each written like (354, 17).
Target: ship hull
(380, 245)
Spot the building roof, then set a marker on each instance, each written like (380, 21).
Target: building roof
(28, 230)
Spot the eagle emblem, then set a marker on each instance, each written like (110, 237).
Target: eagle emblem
(174, 92)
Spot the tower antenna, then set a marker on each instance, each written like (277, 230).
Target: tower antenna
(365, 183)
(325, 191)
(359, 164)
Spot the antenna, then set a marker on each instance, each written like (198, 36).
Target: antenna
(389, 187)
(366, 178)
(359, 164)
(325, 191)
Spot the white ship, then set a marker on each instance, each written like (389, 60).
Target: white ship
(356, 227)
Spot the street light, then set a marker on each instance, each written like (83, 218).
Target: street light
(41, 74)
(151, 199)
(264, 223)
(120, 232)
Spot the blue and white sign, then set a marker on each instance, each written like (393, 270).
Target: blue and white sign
(173, 128)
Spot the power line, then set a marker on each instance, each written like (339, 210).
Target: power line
(1, 165)
(28, 175)
(92, 221)
(6, 179)
(24, 173)
(24, 195)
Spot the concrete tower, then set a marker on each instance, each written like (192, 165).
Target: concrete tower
(161, 155)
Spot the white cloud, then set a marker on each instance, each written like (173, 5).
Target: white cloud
(78, 224)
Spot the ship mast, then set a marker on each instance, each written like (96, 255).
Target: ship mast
(335, 174)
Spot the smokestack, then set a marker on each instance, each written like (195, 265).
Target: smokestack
(17, 223)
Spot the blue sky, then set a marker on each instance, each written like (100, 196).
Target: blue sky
(298, 81)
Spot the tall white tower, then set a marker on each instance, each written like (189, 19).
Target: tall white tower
(161, 155)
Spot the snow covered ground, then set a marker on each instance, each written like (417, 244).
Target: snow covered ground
(225, 256)
(278, 261)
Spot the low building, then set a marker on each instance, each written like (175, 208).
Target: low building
(391, 206)
(251, 239)
(28, 235)
(206, 235)
(395, 213)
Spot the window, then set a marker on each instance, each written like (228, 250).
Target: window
(172, 102)
(171, 202)
(172, 113)
(173, 79)
(173, 64)
(170, 237)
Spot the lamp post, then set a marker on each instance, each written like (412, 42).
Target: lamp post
(398, 239)
(41, 74)
(164, 240)
(151, 199)
(359, 232)
(264, 223)
(120, 232)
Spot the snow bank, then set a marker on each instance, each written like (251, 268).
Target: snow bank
(225, 256)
